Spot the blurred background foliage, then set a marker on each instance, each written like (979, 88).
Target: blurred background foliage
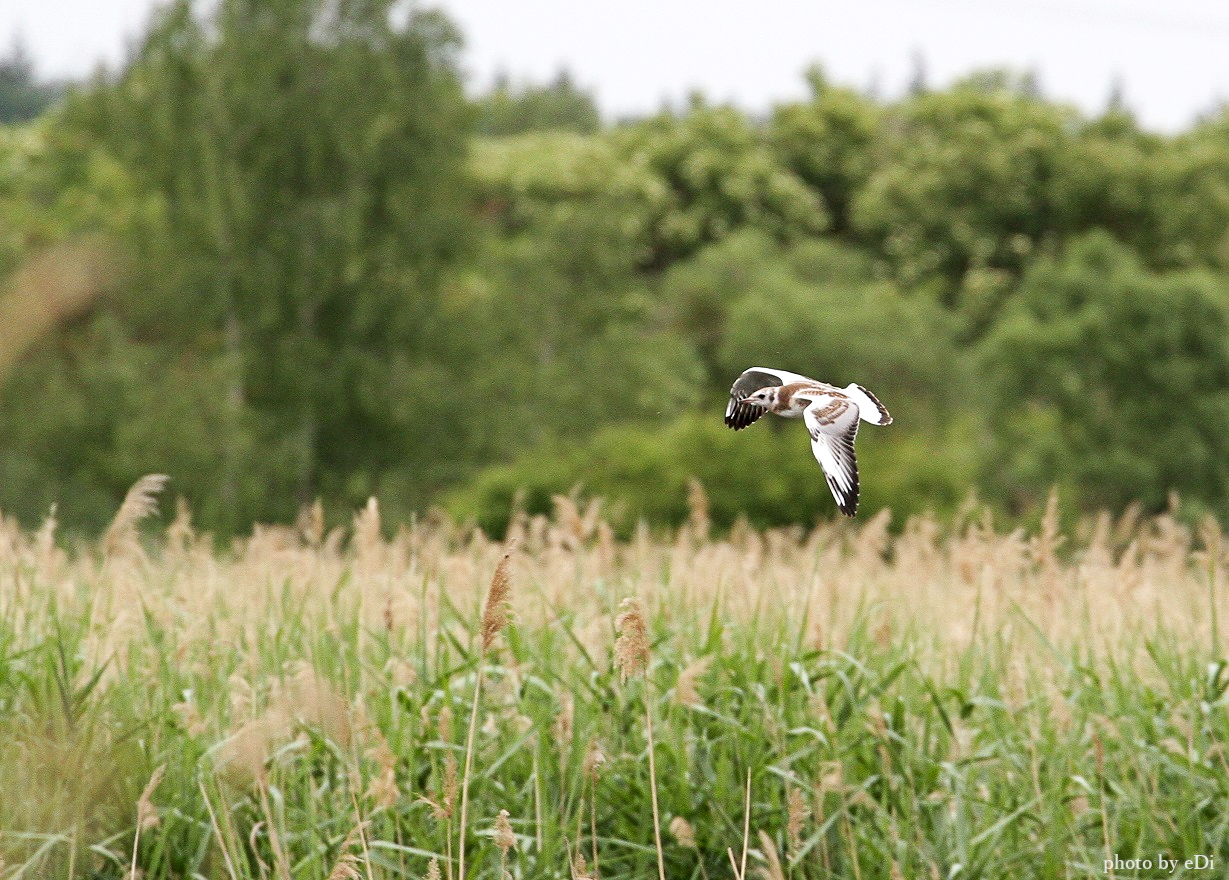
(282, 256)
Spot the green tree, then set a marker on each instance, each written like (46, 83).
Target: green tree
(818, 313)
(562, 328)
(1192, 214)
(1112, 380)
(698, 293)
(91, 406)
(309, 159)
(830, 143)
(1112, 179)
(720, 174)
(560, 105)
(62, 368)
(565, 184)
(963, 190)
(818, 307)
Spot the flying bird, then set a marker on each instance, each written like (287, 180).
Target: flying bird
(830, 414)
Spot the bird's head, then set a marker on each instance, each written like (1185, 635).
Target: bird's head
(765, 398)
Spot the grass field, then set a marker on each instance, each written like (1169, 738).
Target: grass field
(845, 702)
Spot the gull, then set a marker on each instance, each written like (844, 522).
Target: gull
(830, 414)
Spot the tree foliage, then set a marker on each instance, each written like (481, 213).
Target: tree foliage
(307, 158)
(271, 258)
(1113, 380)
(560, 105)
(829, 142)
(966, 183)
(720, 175)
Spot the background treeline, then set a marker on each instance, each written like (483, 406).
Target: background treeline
(282, 256)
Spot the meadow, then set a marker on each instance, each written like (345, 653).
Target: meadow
(419, 700)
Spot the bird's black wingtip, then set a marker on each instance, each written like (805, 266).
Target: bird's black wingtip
(742, 415)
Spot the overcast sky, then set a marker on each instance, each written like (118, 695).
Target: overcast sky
(1170, 56)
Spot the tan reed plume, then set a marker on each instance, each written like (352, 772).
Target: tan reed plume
(505, 840)
(494, 619)
(684, 834)
(632, 658)
(797, 815)
(495, 612)
(632, 646)
(140, 502)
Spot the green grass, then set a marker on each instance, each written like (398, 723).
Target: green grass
(940, 704)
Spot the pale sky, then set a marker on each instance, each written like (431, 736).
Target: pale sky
(1171, 56)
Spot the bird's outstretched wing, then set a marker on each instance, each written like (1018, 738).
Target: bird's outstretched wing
(833, 425)
(739, 415)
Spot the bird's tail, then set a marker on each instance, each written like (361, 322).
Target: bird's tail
(869, 407)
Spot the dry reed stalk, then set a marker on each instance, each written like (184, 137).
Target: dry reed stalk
(280, 861)
(773, 870)
(217, 831)
(574, 527)
(346, 868)
(851, 842)
(443, 805)
(561, 728)
(742, 869)
(369, 548)
(594, 759)
(537, 796)
(632, 645)
(307, 698)
(580, 871)
(310, 523)
(347, 865)
(685, 692)
(147, 815)
(494, 619)
(452, 782)
(632, 658)
(648, 726)
(495, 611)
(684, 835)
(382, 790)
(49, 559)
(180, 535)
(958, 583)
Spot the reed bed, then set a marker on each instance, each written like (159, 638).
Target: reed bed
(420, 700)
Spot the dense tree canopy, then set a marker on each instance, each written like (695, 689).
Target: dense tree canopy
(281, 256)
(1114, 379)
(305, 159)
